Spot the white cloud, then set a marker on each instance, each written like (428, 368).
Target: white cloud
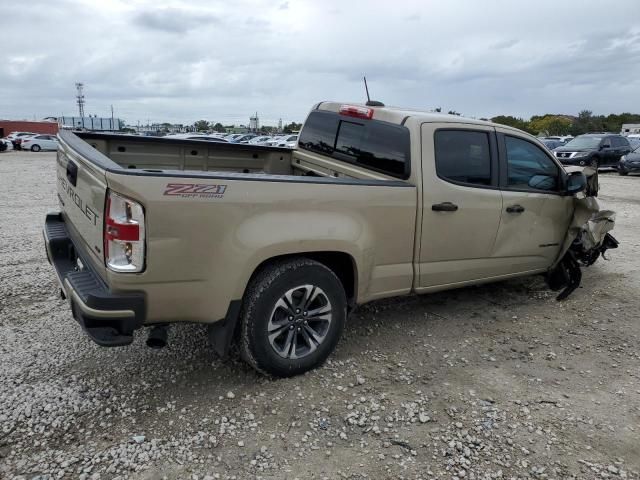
(222, 61)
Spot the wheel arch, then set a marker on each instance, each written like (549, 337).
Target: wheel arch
(342, 264)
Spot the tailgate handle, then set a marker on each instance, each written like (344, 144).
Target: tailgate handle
(515, 209)
(444, 207)
(72, 172)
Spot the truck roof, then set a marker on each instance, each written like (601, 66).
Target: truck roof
(399, 115)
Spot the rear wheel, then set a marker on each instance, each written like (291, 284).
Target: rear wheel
(292, 317)
(35, 148)
(622, 172)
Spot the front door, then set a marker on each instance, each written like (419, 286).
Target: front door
(535, 215)
(461, 204)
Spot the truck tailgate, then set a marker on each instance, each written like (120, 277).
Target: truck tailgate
(82, 189)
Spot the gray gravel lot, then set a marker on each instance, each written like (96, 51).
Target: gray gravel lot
(498, 381)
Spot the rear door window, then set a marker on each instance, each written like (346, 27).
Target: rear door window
(463, 156)
(372, 144)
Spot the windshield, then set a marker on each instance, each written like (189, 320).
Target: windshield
(584, 142)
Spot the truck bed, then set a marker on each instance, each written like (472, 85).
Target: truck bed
(157, 154)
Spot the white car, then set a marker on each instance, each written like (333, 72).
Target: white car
(16, 137)
(288, 141)
(36, 143)
(5, 145)
(260, 140)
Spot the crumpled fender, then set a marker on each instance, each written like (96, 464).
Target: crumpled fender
(589, 224)
(587, 237)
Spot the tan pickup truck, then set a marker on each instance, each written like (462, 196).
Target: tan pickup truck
(273, 247)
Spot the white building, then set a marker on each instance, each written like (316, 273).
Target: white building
(630, 129)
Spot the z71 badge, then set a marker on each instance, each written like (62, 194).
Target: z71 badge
(195, 190)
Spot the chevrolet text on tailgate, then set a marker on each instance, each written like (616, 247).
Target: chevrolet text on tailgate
(272, 247)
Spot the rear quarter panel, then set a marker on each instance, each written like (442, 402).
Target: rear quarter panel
(203, 248)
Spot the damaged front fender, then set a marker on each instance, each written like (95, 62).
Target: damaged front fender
(586, 240)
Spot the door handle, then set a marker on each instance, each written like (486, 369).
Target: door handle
(72, 172)
(444, 207)
(515, 209)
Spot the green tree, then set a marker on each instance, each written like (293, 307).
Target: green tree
(511, 122)
(292, 127)
(201, 126)
(550, 125)
(218, 127)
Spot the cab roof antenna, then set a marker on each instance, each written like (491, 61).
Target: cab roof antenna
(371, 103)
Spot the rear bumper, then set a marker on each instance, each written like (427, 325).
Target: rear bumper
(109, 319)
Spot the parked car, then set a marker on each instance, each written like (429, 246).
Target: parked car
(375, 202)
(259, 140)
(288, 141)
(634, 142)
(630, 163)
(16, 138)
(561, 138)
(244, 138)
(36, 143)
(551, 144)
(5, 145)
(593, 149)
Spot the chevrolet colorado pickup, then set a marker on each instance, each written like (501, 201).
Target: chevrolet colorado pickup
(272, 247)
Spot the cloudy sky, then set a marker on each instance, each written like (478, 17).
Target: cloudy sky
(180, 61)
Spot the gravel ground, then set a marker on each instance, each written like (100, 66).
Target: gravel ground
(498, 381)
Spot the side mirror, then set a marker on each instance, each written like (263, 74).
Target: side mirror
(543, 182)
(605, 145)
(576, 182)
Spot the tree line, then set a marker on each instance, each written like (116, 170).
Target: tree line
(555, 124)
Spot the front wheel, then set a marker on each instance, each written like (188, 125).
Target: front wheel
(35, 148)
(622, 172)
(292, 317)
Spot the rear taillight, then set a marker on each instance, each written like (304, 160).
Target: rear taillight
(123, 234)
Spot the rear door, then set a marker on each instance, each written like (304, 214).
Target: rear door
(535, 215)
(461, 204)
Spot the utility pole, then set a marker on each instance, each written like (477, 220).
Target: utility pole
(112, 121)
(80, 101)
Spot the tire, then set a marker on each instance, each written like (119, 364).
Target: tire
(624, 173)
(297, 342)
(35, 148)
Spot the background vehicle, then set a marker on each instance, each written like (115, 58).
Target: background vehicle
(596, 150)
(259, 140)
(561, 138)
(36, 143)
(16, 138)
(288, 141)
(630, 163)
(374, 203)
(634, 142)
(244, 138)
(5, 144)
(551, 144)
